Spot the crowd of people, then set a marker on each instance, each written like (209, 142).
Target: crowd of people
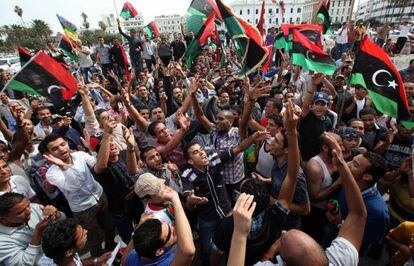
(201, 166)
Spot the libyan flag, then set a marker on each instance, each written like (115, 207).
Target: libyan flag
(128, 11)
(247, 38)
(280, 41)
(204, 8)
(323, 15)
(310, 31)
(152, 30)
(43, 76)
(310, 56)
(374, 71)
(194, 48)
(24, 55)
(67, 47)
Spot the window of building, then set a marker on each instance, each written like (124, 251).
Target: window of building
(333, 3)
(270, 21)
(342, 19)
(270, 11)
(347, 18)
(257, 21)
(248, 11)
(241, 12)
(297, 20)
(277, 20)
(291, 10)
(283, 20)
(248, 20)
(257, 11)
(277, 10)
(337, 12)
(299, 10)
(290, 20)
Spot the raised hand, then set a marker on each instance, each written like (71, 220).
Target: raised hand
(242, 213)
(194, 85)
(317, 79)
(109, 126)
(336, 149)
(290, 118)
(18, 114)
(183, 121)
(54, 160)
(259, 91)
(261, 135)
(129, 136)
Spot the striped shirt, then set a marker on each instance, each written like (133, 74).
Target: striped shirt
(209, 184)
(233, 171)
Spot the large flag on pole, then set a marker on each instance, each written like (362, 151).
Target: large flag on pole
(43, 76)
(247, 37)
(24, 55)
(311, 31)
(323, 15)
(261, 19)
(374, 71)
(204, 8)
(308, 55)
(194, 48)
(152, 30)
(67, 47)
(128, 11)
(269, 59)
(69, 28)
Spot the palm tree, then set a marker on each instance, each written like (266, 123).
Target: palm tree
(19, 11)
(85, 20)
(102, 25)
(41, 29)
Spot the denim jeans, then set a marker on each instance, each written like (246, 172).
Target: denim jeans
(206, 230)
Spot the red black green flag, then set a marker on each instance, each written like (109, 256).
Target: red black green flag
(194, 49)
(152, 30)
(261, 20)
(268, 59)
(128, 11)
(24, 55)
(43, 76)
(311, 31)
(323, 15)
(374, 71)
(280, 42)
(308, 55)
(67, 47)
(247, 37)
(204, 8)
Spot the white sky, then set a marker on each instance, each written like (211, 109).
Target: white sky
(71, 10)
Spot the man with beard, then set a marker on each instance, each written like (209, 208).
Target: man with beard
(43, 128)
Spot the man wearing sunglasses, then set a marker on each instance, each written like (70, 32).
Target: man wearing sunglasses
(158, 243)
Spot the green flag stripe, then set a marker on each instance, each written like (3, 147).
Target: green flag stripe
(19, 86)
(358, 78)
(70, 55)
(321, 17)
(194, 11)
(407, 124)
(301, 60)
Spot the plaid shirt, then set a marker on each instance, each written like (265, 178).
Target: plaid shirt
(233, 171)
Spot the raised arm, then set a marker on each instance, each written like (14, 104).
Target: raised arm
(354, 225)
(174, 142)
(103, 154)
(316, 79)
(141, 122)
(289, 184)
(121, 32)
(202, 119)
(132, 149)
(185, 243)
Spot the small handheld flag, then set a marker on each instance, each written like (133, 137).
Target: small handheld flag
(128, 11)
(68, 48)
(69, 28)
(24, 55)
(152, 30)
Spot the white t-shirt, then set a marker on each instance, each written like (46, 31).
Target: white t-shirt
(342, 253)
(342, 36)
(85, 59)
(404, 30)
(20, 185)
(360, 105)
(77, 183)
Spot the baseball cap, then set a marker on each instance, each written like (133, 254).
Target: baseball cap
(147, 185)
(320, 96)
(348, 133)
(340, 76)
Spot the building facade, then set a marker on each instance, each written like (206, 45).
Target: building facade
(340, 10)
(134, 23)
(383, 11)
(250, 10)
(168, 24)
(127, 24)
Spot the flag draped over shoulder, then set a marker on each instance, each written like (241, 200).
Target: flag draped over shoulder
(374, 71)
(308, 55)
(204, 8)
(247, 38)
(24, 55)
(152, 30)
(128, 11)
(67, 47)
(323, 15)
(261, 20)
(194, 48)
(43, 76)
(69, 28)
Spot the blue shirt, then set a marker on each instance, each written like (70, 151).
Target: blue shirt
(164, 260)
(378, 216)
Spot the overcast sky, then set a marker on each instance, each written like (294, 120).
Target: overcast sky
(71, 10)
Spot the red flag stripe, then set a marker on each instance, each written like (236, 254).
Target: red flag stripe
(299, 37)
(286, 27)
(269, 58)
(215, 8)
(59, 72)
(208, 30)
